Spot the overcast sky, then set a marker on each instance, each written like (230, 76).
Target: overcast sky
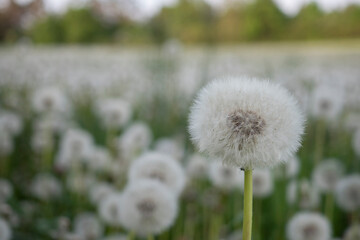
(149, 7)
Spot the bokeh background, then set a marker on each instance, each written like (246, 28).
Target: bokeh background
(89, 86)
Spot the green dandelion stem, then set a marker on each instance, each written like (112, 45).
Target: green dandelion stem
(248, 205)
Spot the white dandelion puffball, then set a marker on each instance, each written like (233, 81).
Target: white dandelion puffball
(135, 140)
(114, 113)
(348, 193)
(225, 177)
(353, 232)
(263, 184)
(6, 190)
(88, 226)
(308, 226)
(10, 122)
(327, 174)
(161, 167)
(327, 102)
(5, 230)
(76, 145)
(172, 147)
(46, 187)
(110, 209)
(356, 142)
(50, 100)
(147, 207)
(289, 170)
(303, 193)
(99, 191)
(197, 167)
(246, 122)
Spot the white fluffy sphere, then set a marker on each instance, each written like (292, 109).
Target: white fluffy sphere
(170, 146)
(197, 167)
(263, 184)
(50, 100)
(161, 167)
(99, 191)
(327, 174)
(302, 192)
(135, 140)
(148, 207)
(114, 112)
(348, 193)
(353, 232)
(327, 102)
(5, 230)
(46, 187)
(308, 226)
(225, 177)
(247, 123)
(110, 209)
(88, 226)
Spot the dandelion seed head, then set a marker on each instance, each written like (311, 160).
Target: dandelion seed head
(348, 193)
(161, 167)
(88, 226)
(110, 209)
(246, 122)
(308, 226)
(46, 187)
(148, 207)
(327, 174)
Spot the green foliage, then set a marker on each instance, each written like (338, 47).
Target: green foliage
(48, 30)
(196, 22)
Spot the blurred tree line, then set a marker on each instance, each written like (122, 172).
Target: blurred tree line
(188, 21)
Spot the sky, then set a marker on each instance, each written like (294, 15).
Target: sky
(150, 7)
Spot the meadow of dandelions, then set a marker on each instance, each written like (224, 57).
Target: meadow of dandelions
(111, 144)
